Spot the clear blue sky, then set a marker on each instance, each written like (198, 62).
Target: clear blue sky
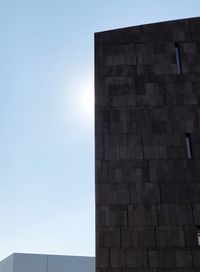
(46, 116)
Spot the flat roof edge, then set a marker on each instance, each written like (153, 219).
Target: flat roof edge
(147, 24)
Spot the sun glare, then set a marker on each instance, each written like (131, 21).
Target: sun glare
(86, 100)
(80, 102)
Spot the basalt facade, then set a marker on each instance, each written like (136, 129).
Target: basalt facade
(147, 144)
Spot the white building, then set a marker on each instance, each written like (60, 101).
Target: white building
(20, 262)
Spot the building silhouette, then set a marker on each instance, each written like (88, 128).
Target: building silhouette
(147, 144)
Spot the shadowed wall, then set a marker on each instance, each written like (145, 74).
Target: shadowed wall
(147, 144)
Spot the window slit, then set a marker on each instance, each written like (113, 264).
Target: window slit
(188, 145)
(198, 235)
(178, 59)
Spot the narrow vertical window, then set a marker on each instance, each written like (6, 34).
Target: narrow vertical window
(178, 59)
(198, 235)
(188, 146)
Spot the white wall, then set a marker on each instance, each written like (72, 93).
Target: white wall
(7, 264)
(71, 264)
(19, 262)
(29, 263)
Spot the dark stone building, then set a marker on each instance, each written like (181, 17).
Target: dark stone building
(148, 148)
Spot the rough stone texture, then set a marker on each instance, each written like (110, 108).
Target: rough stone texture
(147, 190)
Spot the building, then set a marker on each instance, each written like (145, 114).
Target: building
(147, 144)
(19, 262)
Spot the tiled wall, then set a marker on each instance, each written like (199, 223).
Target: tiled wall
(147, 190)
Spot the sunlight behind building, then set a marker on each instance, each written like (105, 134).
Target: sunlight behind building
(86, 100)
